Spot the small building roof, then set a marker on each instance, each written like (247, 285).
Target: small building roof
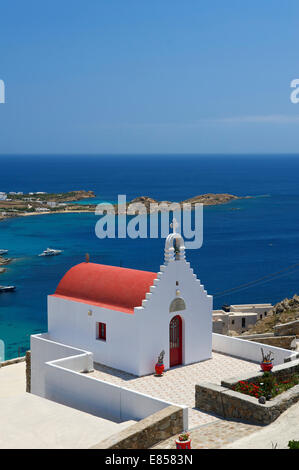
(110, 287)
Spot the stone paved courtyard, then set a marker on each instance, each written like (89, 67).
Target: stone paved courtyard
(178, 384)
(214, 435)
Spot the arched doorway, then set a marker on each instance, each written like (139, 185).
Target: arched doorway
(175, 341)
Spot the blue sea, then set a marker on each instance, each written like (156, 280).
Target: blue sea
(244, 240)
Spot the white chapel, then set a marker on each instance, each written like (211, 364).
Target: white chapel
(126, 317)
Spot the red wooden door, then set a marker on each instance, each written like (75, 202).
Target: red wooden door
(175, 341)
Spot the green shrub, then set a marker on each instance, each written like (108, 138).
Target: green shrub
(267, 384)
(293, 444)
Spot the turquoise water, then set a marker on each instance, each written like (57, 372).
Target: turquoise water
(243, 240)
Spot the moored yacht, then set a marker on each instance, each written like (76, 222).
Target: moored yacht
(7, 288)
(50, 252)
(3, 252)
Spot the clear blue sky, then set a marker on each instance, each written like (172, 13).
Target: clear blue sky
(149, 76)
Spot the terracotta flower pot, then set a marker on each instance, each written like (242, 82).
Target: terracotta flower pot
(159, 368)
(183, 444)
(266, 366)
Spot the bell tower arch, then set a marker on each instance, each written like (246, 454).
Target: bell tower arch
(174, 245)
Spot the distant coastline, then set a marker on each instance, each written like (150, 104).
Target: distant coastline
(45, 204)
(41, 203)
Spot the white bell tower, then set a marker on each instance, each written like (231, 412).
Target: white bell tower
(174, 245)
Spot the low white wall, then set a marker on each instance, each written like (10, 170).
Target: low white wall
(79, 363)
(72, 388)
(61, 380)
(84, 393)
(248, 350)
(139, 405)
(43, 350)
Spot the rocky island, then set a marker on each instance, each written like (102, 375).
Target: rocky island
(3, 262)
(151, 204)
(19, 204)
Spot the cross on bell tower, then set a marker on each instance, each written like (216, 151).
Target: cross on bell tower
(174, 225)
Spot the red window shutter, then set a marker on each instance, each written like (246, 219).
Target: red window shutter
(102, 331)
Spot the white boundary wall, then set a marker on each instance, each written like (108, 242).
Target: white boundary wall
(61, 380)
(44, 350)
(249, 350)
(95, 396)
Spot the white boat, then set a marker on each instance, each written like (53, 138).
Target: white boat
(3, 252)
(50, 252)
(7, 288)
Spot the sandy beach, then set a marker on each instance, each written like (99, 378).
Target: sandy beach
(30, 214)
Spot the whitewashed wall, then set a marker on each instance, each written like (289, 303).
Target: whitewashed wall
(61, 381)
(248, 350)
(69, 322)
(154, 317)
(251, 308)
(43, 350)
(134, 341)
(95, 396)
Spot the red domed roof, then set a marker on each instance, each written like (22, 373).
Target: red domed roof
(106, 286)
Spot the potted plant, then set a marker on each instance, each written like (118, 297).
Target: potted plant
(183, 441)
(159, 367)
(267, 364)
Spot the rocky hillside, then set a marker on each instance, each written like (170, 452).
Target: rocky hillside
(211, 199)
(205, 199)
(283, 312)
